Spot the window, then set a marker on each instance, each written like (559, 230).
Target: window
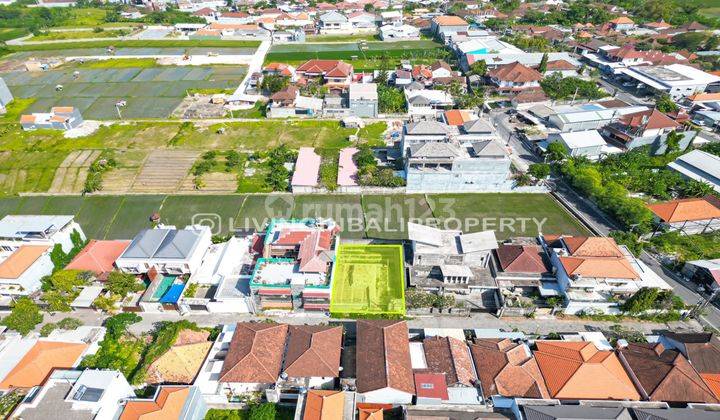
(427, 386)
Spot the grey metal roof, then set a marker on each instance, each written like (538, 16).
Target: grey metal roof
(435, 149)
(477, 126)
(488, 148)
(426, 127)
(675, 414)
(575, 412)
(162, 243)
(706, 162)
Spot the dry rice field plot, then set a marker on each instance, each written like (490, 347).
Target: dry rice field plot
(120, 179)
(164, 171)
(71, 174)
(215, 182)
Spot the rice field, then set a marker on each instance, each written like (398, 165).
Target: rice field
(355, 51)
(152, 92)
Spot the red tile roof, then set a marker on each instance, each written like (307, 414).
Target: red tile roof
(313, 351)
(98, 257)
(515, 72)
(648, 120)
(331, 68)
(431, 385)
(522, 259)
(383, 356)
(450, 357)
(255, 353)
(689, 209)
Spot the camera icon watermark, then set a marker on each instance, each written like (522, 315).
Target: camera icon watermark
(211, 220)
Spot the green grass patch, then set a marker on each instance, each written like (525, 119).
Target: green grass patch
(97, 214)
(409, 50)
(115, 63)
(171, 43)
(340, 38)
(66, 35)
(179, 210)
(16, 108)
(688, 247)
(7, 34)
(368, 280)
(346, 209)
(134, 215)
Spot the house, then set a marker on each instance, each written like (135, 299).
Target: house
(166, 250)
(312, 357)
(363, 99)
(98, 257)
(26, 362)
(181, 363)
(448, 25)
(576, 412)
(646, 127)
(594, 273)
(51, 230)
(699, 166)
(383, 366)
(73, 394)
(324, 405)
(662, 374)
(421, 132)
(676, 80)
(307, 169)
(22, 270)
(280, 69)
(514, 77)
(562, 67)
(363, 21)
(394, 32)
(332, 72)
(702, 350)
(575, 118)
(569, 366)
(451, 358)
(522, 265)
(294, 270)
(622, 23)
(581, 143)
(427, 103)
(391, 17)
(290, 103)
(441, 69)
(56, 3)
(688, 216)
(168, 402)
(219, 30)
(508, 369)
(5, 95)
(254, 357)
(452, 167)
(334, 22)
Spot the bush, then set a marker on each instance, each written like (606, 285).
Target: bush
(557, 87)
(69, 323)
(46, 329)
(122, 284)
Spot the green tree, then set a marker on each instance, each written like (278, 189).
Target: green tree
(274, 83)
(542, 68)
(69, 323)
(64, 281)
(695, 188)
(265, 411)
(390, 99)
(664, 103)
(122, 283)
(643, 300)
(117, 325)
(539, 170)
(23, 318)
(478, 68)
(672, 142)
(555, 152)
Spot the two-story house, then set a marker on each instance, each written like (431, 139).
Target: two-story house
(514, 77)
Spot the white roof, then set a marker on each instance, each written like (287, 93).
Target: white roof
(700, 166)
(458, 333)
(578, 139)
(673, 75)
(425, 234)
(18, 227)
(307, 102)
(87, 296)
(434, 96)
(221, 260)
(12, 349)
(363, 91)
(391, 14)
(478, 241)
(451, 270)
(528, 59)
(417, 356)
(491, 44)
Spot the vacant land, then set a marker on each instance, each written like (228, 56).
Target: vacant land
(379, 216)
(368, 280)
(410, 50)
(131, 43)
(152, 92)
(341, 38)
(74, 34)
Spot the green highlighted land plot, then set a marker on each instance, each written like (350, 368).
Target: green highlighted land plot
(368, 280)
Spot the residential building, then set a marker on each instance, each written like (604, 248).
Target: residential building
(312, 357)
(98, 257)
(307, 169)
(331, 72)
(218, 30)
(575, 412)
(703, 352)
(581, 143)
(363, 100)
(515, 77)
(699, 166)
(591, 117)
(19, 230)
(563, 68)
(421, 132)
(181, 363)
(452, 167)
(569, 366)
(427, 103)
(391, 17)
(594, 273)
(662, 374)
(166, 250)
(649, 127)
(326, 405)
(622, 23)
(523, 265)
(688, 216)
(507, 369)
(290, 103)
(59, 118)
(395, 32)
(294, 271)
(169, 402)
(280, 69)
(703, 272)
(73, 394)
(22, 270)
(383, 366)
(253, 361)
(676, 80)
(26, 362)
(334, 22)
(448, 25)
(363, 21)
